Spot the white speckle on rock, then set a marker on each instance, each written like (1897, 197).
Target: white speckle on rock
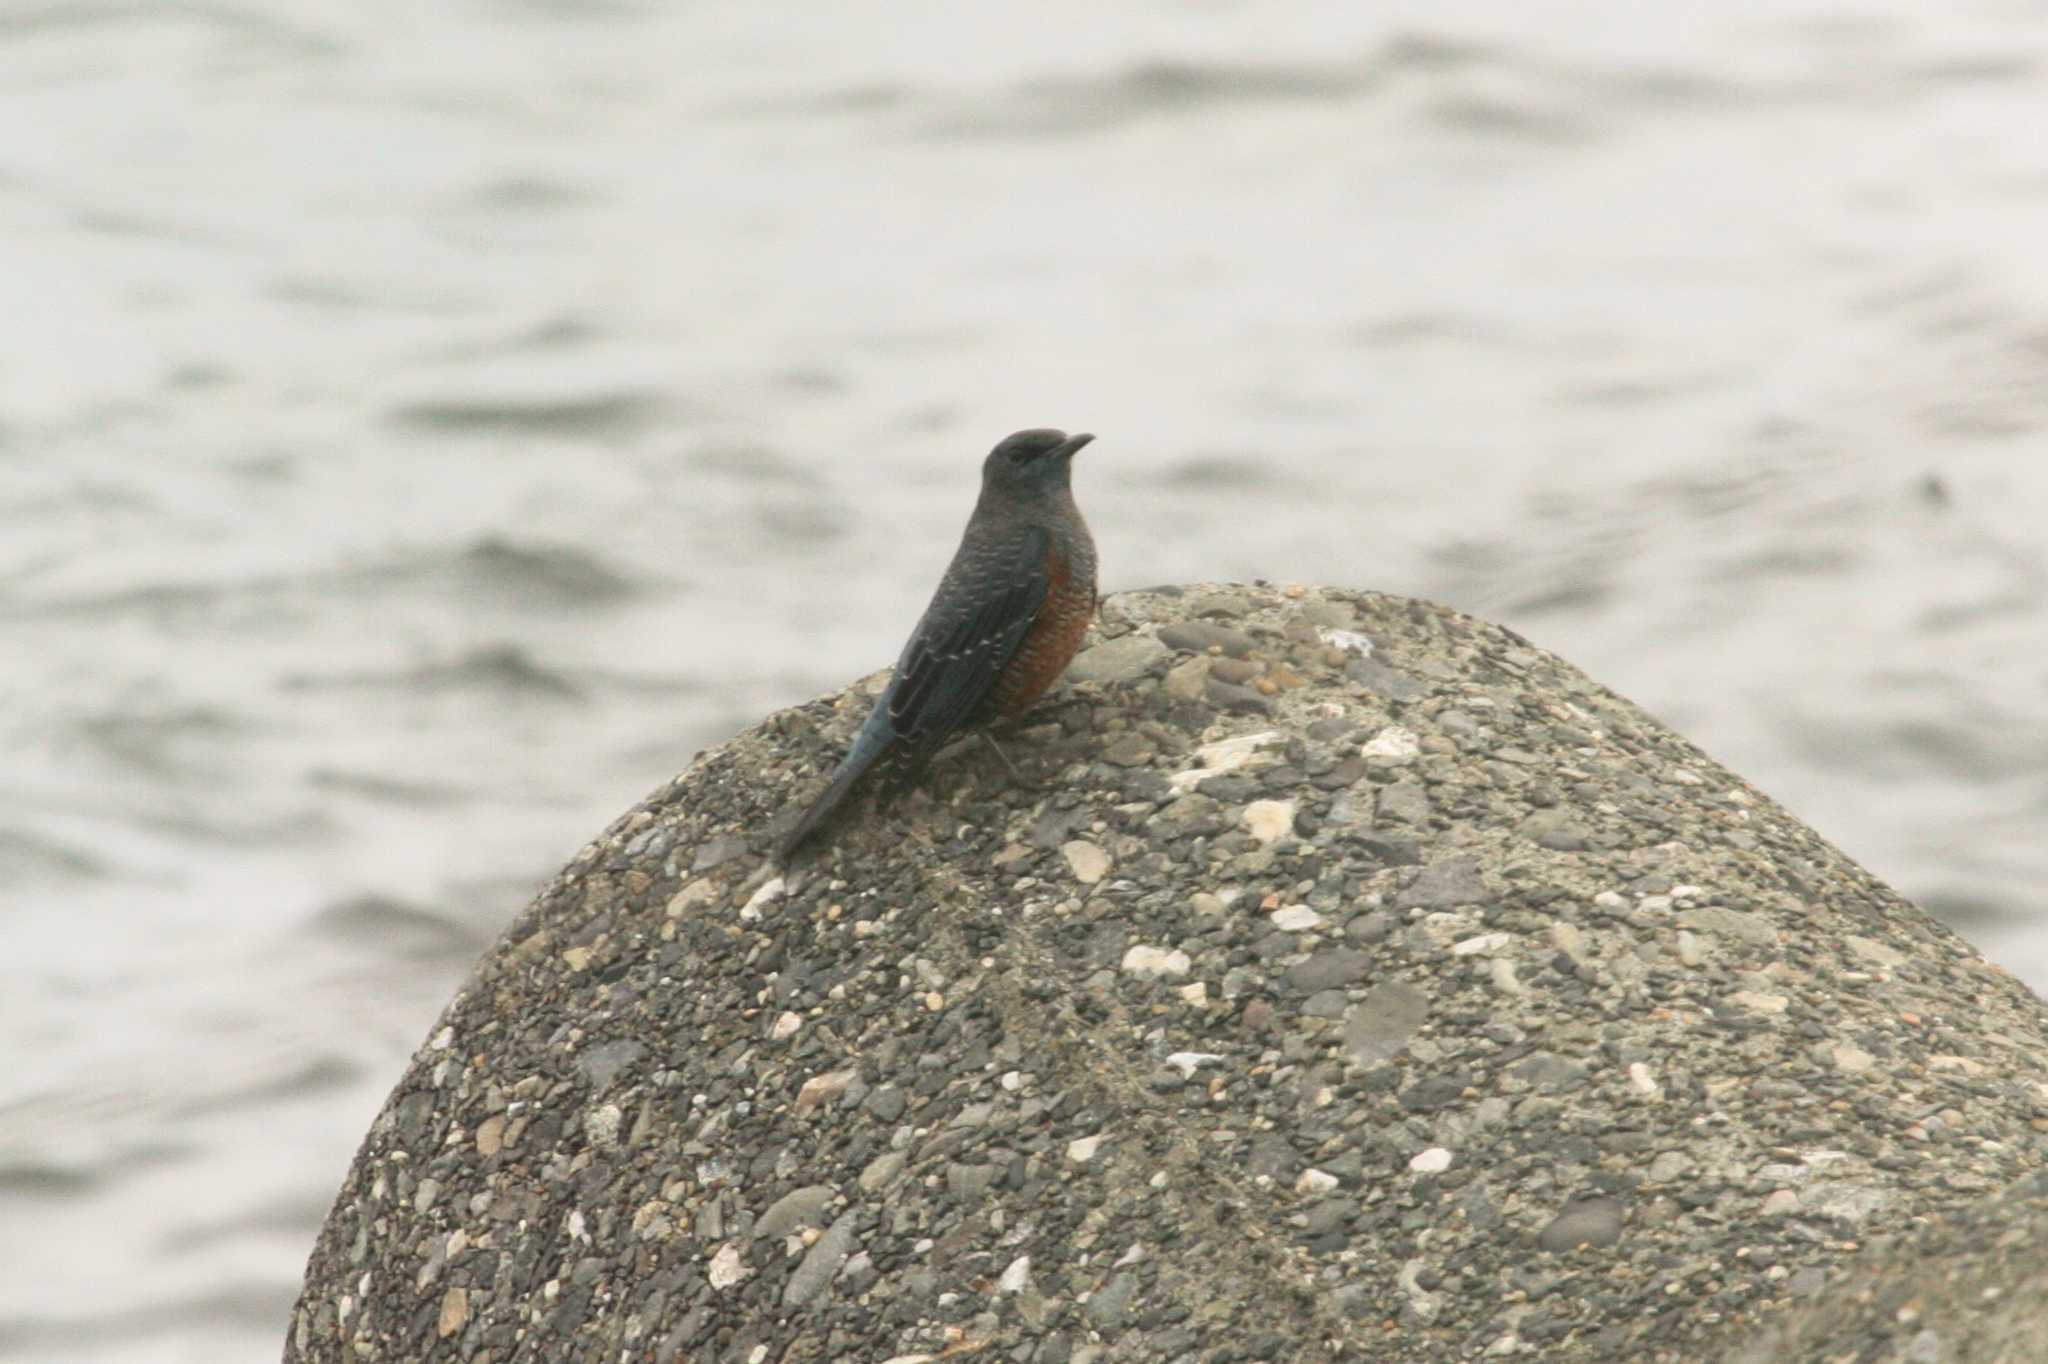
(1501, 972)
(1421, 1301)
(1851, 1059)
(1643, 1082)
(696, 893)
(1198, 993)
(786, 1026)
(1081, 1150)
(1316, 1181)
(1141, 960)
(601, 1124)
(1088, 861)
(1434, 1161)
(1225, 755)
(1296, 918)
(1486, 943)
(1017, 1277)
(1269, 821)
(1779, 1202)
(1757, 1001)
(1011, 1081)
(820, 1090)
(1394, 746)
(444, 1039)
(1350, 641)
(771, 890)
(1188, 1062)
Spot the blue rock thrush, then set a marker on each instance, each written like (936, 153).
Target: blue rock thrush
(1005, 622)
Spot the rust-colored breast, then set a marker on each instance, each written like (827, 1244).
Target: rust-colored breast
(1051, 642)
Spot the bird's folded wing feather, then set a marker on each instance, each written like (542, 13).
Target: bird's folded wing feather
(952, 663)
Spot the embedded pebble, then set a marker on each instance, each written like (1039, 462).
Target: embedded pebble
(1017, 1277)
(1088, 861)
(1433, 1161)
(1392, 747)
(727, 1266)
(1117, 662)
(1296, 918)
(1590, 1222)
(1269, 821)
(1142, 960)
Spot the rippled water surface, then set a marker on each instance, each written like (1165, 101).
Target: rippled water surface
(423, 427)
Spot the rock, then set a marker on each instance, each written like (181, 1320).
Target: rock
(1379, 1025)
(1117, 662)
(1142, 960)
(1087, 860)
(821, 1263)
(1296, 918)
(602, 1064)
(1972, 1286)
(1188, 680)
(1445, 884)
(1326, 970)
(1394, 746)
(800, 1208)
(454, 1312)
(1269, 821)
(1312, 1129)
(1201, 636)
(1589, 1222)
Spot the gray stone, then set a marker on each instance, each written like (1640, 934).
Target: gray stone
(1378, 1026)
(1404, 802)
(821, 1263)
(800, 1208)
(1328, 969)
(1549, 1073)
(1557, 830)
(1118, 661)
(1200, 637)
(1592, 1222)
(1730, 923)
(1445, 883)
(601, 1064)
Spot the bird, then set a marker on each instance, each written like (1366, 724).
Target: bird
(1006, 619)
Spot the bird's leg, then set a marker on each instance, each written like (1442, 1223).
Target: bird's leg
(997, 749)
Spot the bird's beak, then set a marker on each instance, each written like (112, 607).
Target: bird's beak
(1072, 445)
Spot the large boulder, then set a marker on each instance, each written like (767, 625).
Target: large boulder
(1347, 979)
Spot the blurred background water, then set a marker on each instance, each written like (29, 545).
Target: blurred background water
(423, 427)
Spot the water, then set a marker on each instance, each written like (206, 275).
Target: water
(422, 428)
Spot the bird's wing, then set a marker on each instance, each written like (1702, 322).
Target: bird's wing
(961, 648)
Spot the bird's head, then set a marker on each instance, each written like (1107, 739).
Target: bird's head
(1031, 463)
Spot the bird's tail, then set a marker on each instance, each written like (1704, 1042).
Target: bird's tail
(868, 747)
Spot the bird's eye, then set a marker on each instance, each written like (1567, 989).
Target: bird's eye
(1019, 456)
